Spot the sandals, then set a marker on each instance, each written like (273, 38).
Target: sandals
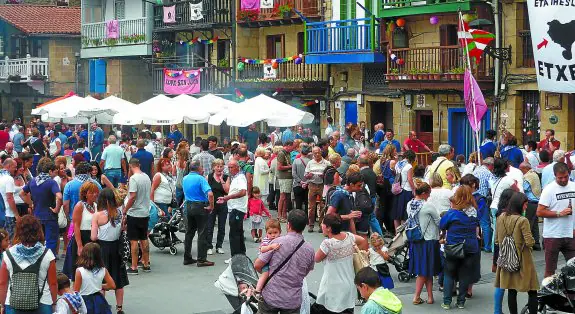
(119, 309)
(418, 301)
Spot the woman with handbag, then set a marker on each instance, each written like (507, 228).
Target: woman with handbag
(461, 245)
(337, 292)
(106, 229)
(163, 187)
(424, 260)
(402, 188)
(386, 176)
(524, 279)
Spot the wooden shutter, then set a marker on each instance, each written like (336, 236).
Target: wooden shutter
(100, 76)
(92, 76)
(448, 35)
(270, 47)
(300, 43)
(353, 8)
(343, 9)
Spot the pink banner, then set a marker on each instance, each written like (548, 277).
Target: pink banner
(250, 4)
(474, 102)
(170, 14)
(181, 82)
(112, 29)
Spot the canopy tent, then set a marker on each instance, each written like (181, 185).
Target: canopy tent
(77, 110)
(263, 108)
(162, 110)
(69, 94)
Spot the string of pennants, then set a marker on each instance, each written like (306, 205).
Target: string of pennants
(186, 73)
(297, 59)
(198, 40)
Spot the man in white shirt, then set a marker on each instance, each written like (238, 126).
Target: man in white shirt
(9, 151)
(314, 175)
(547, 174)
(237, 201)
(556, 207)
(516, 175)
(7, 190)
(111, 161)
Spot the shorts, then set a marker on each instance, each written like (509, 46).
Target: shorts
(137, 228)
(286, 185)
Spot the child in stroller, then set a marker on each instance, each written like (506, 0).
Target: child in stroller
(163, 234)
(398, 251)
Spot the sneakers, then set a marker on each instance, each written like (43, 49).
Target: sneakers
(446, 307)
(131, 271)
(461, 306)
(147, 269)
(220, 251)
(140, 265)
(310, 229)
(228, 261)
(210, 252)
(205, 263)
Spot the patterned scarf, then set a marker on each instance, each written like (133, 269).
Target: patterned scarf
(41, 178)
(74, 299)
(29, 254)
(82, 177)
(4, 172)
(89, 207)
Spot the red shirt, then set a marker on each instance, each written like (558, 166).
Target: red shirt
(414, 145)
(544, 144)
(4, 139)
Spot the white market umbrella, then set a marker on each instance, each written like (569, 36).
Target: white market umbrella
(190, 108)
(215, 104)
(268, 109)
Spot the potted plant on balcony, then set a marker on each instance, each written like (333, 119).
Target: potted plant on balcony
(223, 63)
(248, 15)
(434, 75)
(284, 11)
(393, 74)
(37, 77)
(14, 78)
(423, 74)
(457, 73)
(412, 74)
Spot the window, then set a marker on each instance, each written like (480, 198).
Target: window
(119, 9)
(93, 12)
(530, 118)
(347, 9)
(527, 59)
(1, 45)
(300, 43)
(275, 46)
(144, 8)
(223, 53)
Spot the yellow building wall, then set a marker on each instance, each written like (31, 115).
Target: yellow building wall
(62, 65)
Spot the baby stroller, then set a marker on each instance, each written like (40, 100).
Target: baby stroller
(556, 293)
(163, 234)
(238, 282)
(399, 257)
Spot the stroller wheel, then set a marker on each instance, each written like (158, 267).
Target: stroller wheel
(161, 248)
(541, 310)
(173, 250)
(403, 277)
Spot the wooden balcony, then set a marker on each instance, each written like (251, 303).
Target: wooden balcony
(290, 76)
(395, 8)
(345, 41)
(212, 79)
(310, 9)
(436, 68)
(215, 13)
(134, 38)
(24, 69)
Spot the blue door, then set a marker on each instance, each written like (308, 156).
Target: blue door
(351, 112)
(461, 136)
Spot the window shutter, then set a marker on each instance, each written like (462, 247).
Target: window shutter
(343, 9)
(353, 5)
(92, 78)
(100, 76)
(120, 9)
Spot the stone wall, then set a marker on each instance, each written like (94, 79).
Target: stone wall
(62, 70)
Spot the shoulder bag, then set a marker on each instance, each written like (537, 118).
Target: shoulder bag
(360, 259)
(283, 263)
(455, 251)
(396, 187)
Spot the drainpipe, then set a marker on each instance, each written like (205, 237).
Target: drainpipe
(234, 53)
(495, 6)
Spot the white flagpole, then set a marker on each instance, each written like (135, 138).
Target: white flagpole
(468, 65)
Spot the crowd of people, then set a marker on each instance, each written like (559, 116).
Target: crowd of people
(356, 188)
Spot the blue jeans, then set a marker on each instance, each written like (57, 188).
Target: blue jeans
(96, 152)
(486, 230)
(10, 226)
(374, 224)
(164, 207)
(51, 233)
(43, 309)
(498, 296)
(493, 222)
(114, 175)
(453, 269)
(180, 196)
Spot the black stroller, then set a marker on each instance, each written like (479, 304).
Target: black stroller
(163, 234)
(556, 293)
(399, 252)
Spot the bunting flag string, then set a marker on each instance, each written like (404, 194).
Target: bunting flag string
(198, 40)
(297, 59)
(187, 73)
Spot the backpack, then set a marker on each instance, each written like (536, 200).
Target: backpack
(412, 227)
(328, 196)
(24, 292)
(508, 259)
(329, 175)
(363, 202)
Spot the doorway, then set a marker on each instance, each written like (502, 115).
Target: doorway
(461, 136)
(424, 127)
(381, 112)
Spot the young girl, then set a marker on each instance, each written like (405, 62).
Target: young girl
(257, 209)
(377, 260)
(70, 302)
(273, 230)
(89, 277)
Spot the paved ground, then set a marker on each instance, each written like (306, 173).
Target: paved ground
(174, 288)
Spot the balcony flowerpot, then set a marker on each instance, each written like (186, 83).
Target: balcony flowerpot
(391, 77)
(14, 78)
(424, 77)
(435, 77)
(403, 77)
(37, 77)
(286, 15)
(459, 77)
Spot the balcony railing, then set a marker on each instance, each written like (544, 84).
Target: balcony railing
(24, 69)
(131, 32)
(286, 72)
(213, 12)
(212, 79)
(393, 8)
(527, 60)
(308, 8)
(438, 61)
(345, 36)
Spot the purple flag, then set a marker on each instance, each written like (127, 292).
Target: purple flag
(477, 101)
(250, 5)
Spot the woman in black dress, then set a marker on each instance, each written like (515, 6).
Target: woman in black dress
(216, 179)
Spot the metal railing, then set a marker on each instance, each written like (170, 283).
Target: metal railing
(213, 12)
(290, 72)
(308, 8)
(24, 69)
(527, 58)
(355, 35)
(389, 4)
(131, 32)
(212, 79)
(437, 60)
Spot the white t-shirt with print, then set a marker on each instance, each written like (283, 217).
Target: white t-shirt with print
(42, 275)
(556, 198)
(497, 187)
(7, 186)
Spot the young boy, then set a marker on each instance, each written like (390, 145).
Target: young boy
(379, 299)
(70, 302)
